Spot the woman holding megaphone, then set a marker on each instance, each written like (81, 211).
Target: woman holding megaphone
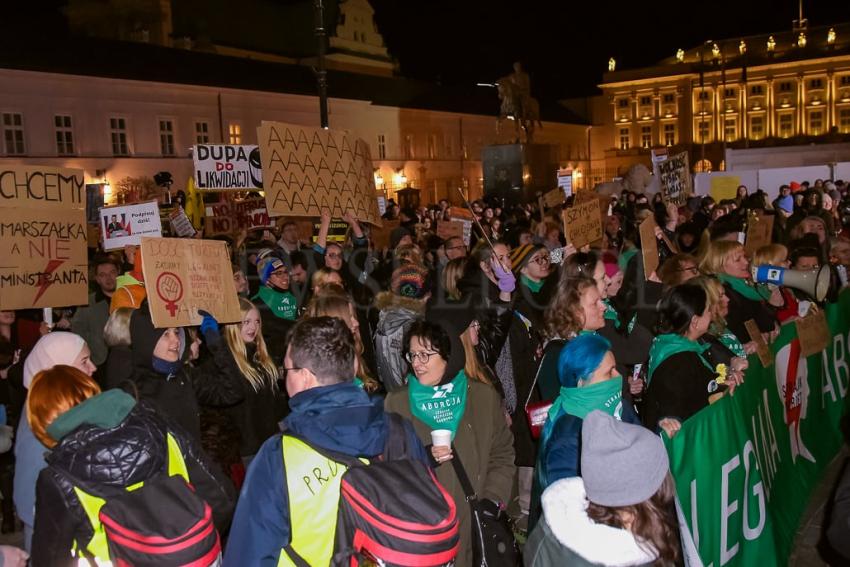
(728, 261)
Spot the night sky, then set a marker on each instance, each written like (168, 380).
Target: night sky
(565, 44)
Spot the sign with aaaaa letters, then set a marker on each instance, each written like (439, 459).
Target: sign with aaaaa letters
(43, 237)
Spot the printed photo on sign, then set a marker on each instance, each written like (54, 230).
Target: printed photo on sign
(221, 166)
(124, 225)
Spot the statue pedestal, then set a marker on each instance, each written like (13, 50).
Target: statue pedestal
(515, 172)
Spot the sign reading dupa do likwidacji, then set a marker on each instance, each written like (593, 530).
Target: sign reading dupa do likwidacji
(225, 167)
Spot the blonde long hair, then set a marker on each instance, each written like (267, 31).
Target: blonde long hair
(715, 256)
(261, 371)
(332, 301)
(473, 367)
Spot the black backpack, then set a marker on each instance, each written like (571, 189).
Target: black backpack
(161, 523)
(393, 511)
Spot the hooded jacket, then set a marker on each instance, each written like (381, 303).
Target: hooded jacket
(178, 394)
(339, 418)
(567, 536)
(104, 460)
(396, 315)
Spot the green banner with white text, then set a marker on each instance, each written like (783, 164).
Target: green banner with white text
(745, 466)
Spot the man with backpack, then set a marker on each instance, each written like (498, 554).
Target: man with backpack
(293, 509)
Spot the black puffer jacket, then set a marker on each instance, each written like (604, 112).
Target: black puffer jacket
(104, 461)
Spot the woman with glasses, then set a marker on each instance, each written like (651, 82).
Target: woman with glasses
(277, 305)
(447, 389)
(678, 269)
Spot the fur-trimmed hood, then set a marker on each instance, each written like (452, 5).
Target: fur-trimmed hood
(565, 512)
(387, 300)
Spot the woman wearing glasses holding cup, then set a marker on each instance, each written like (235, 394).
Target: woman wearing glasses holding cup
(456, 412)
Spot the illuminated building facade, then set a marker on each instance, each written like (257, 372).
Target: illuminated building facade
(777, 89)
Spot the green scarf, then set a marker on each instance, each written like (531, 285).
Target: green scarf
(605, 396)
(730, 341)
(439, 407)
(740, 285)
(531, 284)
(625, 256)
(663, 346)
(611, 313)
(105, 410)
(281, 303)
(358, 382)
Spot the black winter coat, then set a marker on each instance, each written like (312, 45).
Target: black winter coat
(105, 461)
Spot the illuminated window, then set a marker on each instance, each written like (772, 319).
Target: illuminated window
(816, 123)
(64, 135)
(382, 146)
(786, 125)
(166, 137)
(202, 132)
(432, 146)
(118, 135)
(623, 103)
(669, 134)
(703, 95)
(702, 166)
(13, 133)
(756, 90)
(730, 129)
(844, 120)
(234, 131)
(845, 81)
(785, 87)
(408, 146)
(624, 139)
(703, 131)
(757, 127)
(646, 136)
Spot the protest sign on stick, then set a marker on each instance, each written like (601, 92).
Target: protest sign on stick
(449, 229)
(813, 332)
(184, 276)
(121, 225)
(227, 167)
(675, 179)
(583, 223)
(553, 198)
(43, 237)
(381, 234)
(310, 170)
(762, 349)
(648, 246)
(232, 216)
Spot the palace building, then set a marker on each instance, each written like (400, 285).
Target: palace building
(785, 88)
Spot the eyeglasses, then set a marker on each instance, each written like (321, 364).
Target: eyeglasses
(333, 255)
(422, 357)
(540, 260)
(286, 370)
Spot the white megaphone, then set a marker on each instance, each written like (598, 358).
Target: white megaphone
(813, 282)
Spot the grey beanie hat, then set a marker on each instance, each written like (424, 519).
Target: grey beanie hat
(621, 464)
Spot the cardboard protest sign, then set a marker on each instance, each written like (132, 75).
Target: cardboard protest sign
(553, 198)
(675, 179)
(223, 167)
(126, 224)
(648, 246)
(381, 234)
(762, 349)
(310, 170)
(232, 216)
(813, 332)
(759, 233)
(583, 223)
(306, 229)
(180, 223)
(465, 216)
(449, 229)
(185, 275)
(43, 237)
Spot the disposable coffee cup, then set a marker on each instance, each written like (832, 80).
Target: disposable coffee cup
(441, 438)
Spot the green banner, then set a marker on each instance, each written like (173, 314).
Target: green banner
(745, 466)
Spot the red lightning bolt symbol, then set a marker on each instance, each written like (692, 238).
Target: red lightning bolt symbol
(45, 281)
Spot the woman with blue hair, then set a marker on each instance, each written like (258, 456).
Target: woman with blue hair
(589, 381)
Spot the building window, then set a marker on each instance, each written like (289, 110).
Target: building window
(64, 135)
(756, 90)
(382, 146)
(785, 87)
(408, 146)
(646, 137)
(703, 95)
(13, 133)
(202, 132)
(669, 134)
(646, 101)
(816, 84)
(166, 137)
(845, 81)
(703, 131)
(623, 103)
(624, 139)
(118, 134)
(730, 129)
(450, 146)
(432, 146)
(234, 131)
(757, 127)
(786, 125)
(669, 98)
(844, 120)
(702, 166)
(816, 123)
(729, 93)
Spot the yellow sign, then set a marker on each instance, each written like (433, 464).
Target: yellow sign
(724, 187)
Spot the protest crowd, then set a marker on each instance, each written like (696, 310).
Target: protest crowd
(490, 397)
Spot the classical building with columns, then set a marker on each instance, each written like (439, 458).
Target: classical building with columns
(128, 94)
(785, 88)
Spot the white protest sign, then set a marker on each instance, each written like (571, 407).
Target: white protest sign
(223, 167)
(123, 225)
